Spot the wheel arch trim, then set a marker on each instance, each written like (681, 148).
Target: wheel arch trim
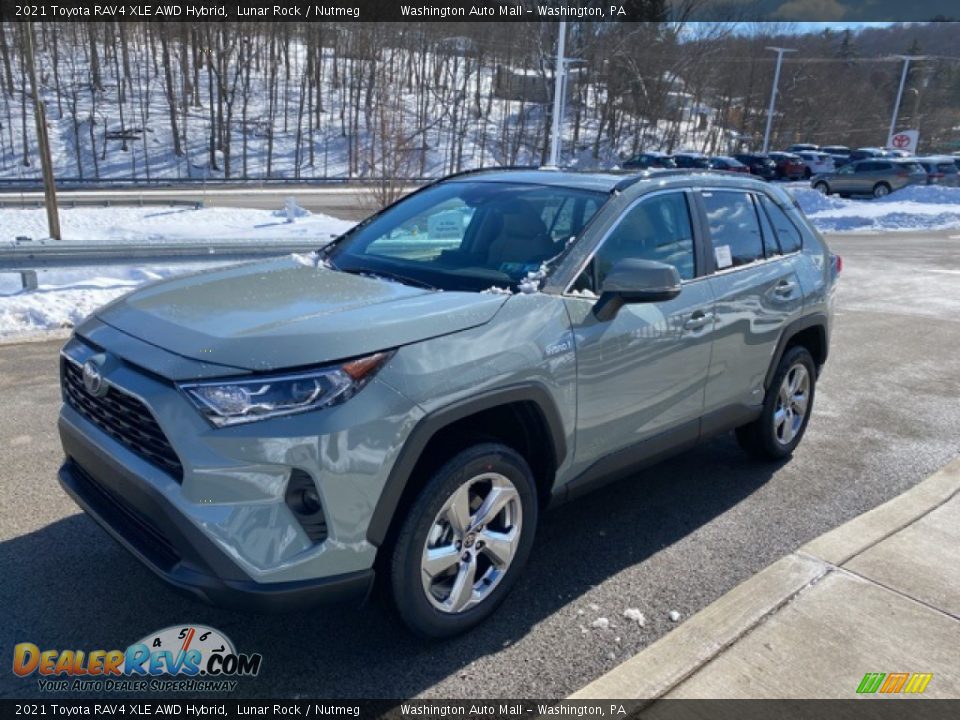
(435, 421)
(815, 320)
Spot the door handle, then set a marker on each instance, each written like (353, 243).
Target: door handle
(785, 288)
(698, 320)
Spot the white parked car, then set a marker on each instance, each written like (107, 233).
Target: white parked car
(817, 162)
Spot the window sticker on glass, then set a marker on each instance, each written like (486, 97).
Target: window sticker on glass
(724, 256)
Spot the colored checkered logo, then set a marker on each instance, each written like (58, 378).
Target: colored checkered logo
(892, 683)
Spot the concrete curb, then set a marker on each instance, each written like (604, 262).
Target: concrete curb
(659, 668)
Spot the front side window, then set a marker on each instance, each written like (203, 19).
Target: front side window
(467, 235)
(734, 228)
(657, 228)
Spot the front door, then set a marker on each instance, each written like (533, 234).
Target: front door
(641, 375)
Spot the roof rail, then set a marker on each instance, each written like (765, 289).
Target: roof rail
(656, 172)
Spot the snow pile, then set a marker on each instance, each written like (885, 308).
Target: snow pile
(145, 224)
(918, 207)
(65, 297)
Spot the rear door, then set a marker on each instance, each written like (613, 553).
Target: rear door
(757, 294)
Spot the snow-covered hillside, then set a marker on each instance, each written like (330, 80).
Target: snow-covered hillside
(324, 113)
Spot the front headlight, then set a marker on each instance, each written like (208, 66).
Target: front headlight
(230, 402)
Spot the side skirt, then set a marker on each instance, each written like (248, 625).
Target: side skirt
(628, 461)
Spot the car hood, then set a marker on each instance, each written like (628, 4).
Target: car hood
(285, 313)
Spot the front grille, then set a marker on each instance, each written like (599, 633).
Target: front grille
(139, 531)
(123, 417)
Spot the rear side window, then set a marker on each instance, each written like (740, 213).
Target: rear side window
(734, 228)
(787, 234)
(948, 168)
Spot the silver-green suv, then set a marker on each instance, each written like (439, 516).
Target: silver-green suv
(405, 402)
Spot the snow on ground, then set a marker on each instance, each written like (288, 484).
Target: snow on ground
(144, 224)
(918, 207)
(64, 297)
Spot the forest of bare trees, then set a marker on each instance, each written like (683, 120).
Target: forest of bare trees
(267, 100)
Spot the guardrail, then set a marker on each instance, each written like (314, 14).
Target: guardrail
(27, 258)
(139, 201)
(16, 184)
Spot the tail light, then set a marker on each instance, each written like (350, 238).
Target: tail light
(837, 264)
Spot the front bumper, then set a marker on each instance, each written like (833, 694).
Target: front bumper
(146, 524)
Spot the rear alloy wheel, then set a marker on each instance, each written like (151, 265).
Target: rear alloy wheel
(822, 187)
(465, 541)
(786, 408)
(881, 190)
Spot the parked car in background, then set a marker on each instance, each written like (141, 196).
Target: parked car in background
(836, 151)
(760, 165)
(790, 166)
(941, 170)
(877, 176)
(898, 153)
(815, 163)
(727, 163)
(861, 154)
(646, 160)
(692, 161)
(802, 147)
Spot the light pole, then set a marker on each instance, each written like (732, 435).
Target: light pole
(903, 81)
(773, 94)
(558, 73)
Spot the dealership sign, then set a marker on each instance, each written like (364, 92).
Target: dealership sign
(904, 140)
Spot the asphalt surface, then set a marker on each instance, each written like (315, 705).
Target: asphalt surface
(676, 537)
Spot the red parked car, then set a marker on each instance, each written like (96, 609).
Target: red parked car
(789, 166)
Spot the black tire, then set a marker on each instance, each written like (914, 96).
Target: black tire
(405, 585)
(881, 189)
(822, 187)
(760, 438)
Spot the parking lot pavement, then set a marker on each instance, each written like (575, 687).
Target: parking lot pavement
(881, 591)
(676, 537)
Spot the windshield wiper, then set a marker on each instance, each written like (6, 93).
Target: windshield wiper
(388, 275)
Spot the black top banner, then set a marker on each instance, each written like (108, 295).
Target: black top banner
(480, 709)
(480, 10)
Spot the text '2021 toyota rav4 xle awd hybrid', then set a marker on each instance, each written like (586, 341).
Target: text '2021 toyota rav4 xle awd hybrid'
(408, 400)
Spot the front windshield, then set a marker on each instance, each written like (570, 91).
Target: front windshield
(468, 235)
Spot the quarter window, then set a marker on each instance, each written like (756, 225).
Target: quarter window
(734, 228)
(787, 234)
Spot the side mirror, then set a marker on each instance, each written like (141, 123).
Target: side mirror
(636, 281)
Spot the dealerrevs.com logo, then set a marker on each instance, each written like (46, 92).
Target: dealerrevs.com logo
(187, 658)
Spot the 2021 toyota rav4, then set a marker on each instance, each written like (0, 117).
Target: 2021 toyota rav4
(407, 400)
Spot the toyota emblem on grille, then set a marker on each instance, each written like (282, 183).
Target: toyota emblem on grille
(93, 379)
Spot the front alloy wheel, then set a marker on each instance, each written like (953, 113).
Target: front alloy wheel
(472, 543)
(464, 541)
